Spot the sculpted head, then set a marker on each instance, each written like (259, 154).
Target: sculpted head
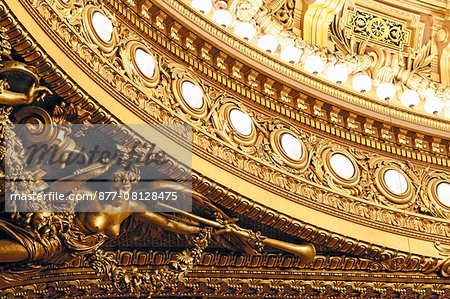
(123, 180)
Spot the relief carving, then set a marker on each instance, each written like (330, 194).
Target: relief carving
(36, 239)
(260, 147)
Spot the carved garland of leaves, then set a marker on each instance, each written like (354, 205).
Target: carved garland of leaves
(163, 94)
(132, 280)
(411, 69)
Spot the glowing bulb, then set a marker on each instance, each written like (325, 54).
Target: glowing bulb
(314, 64)
(245, 30)
(268, 43)
(222, 17)
(362, 83)
(386, 91)
(204, 6)
(434, 105)
(410, 98)
(337, 74)
(290, 54)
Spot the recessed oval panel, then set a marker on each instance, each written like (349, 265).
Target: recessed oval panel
(102, 26)
(192, 94)
(291, 146)
(241, 122)
(145, 62)
(443, 193)
(395, 181)
(342, 166)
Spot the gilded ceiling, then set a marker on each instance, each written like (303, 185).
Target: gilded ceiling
(313, 174)
(402, 51)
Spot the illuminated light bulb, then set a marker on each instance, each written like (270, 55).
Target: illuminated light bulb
(268, 43)
(314, 64)
(386, 91)
(204, 6)
(434, 105)
(410, 98)
(337, 74)
(222, 17)
(362, 83)
(245, 30)
(290, 54)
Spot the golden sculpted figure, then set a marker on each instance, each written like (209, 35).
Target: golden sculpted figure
(41, 237)
(96, 227)
(34, 239)
(23, 89)
(12, 98)
(18, 83)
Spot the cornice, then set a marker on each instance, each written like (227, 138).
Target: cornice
(292, 77)
(304, 110)
(223, 280)
(429, 229)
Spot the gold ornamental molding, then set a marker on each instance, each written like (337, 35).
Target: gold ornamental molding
(317, 19)
(331, 197)
(428, 229)
(384, 25)
(335, 116)
(294, 77)
(220, 275)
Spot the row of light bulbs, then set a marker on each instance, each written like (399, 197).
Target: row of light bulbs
(315, 64)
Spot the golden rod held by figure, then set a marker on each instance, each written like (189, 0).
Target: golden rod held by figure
(306, 252)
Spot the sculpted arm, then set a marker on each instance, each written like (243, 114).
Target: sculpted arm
(13, 98)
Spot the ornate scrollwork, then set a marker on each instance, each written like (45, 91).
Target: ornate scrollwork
(412, 69)
(244, 10)
(213, 120)
(58, 237)
(261, 149)
(429, 198)
(129, 60)
(381, 189)
(381, 29)
(92, 29)
(140, 282)
(285, 12)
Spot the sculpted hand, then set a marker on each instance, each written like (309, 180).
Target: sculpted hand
(37, 93)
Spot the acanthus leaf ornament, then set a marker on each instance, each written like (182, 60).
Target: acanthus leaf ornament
(244, 9)
(280, 180)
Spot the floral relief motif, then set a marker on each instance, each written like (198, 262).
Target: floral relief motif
(387, 32)
(290, 179)
(254, 153)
